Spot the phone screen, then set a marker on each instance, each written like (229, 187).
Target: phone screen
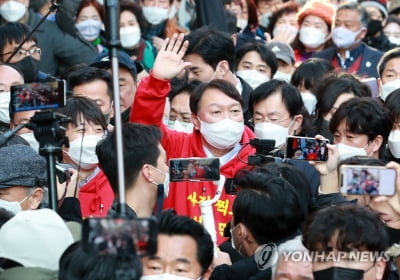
(303, 148)
(37, 96)
(118, 236)
(367, 180)
(194, 169)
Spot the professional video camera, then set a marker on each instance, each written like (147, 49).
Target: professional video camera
(265, 152)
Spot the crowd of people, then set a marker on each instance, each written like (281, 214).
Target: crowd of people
(200, 80)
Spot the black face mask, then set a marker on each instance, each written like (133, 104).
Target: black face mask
(394, 235)
(374, 26)
(339, 273)
(29, 67)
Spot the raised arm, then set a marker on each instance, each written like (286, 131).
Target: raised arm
(149, 103)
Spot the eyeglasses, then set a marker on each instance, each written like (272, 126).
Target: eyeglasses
(34, 52)
(260, 119)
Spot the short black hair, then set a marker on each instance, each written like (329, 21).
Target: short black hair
(80, 107)
(350, 226)
(226, 87)
(140, 148)
(13, 33)
(87, 74)
(294, 176)
(309, 72)
(171, 224)
(268, 205)
(291, 97)
(393, 53)
(266, 55)
(182, 85)
(332, 85)
(211, 45)
(364, 116)
(77, 264)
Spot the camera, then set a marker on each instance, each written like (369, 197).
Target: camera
(265, 152)
(62, 172)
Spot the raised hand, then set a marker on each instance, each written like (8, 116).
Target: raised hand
(169, 61)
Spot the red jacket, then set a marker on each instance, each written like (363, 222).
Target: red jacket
(184, 197)
(96, 196)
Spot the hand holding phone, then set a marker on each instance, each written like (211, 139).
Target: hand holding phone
(367, 180)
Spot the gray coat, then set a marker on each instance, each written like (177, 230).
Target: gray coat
(60, 50)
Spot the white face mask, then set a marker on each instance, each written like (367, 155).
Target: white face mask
(309, 100)
(283, 76)
(165, 183)
(265, 19)
(394, 40)
(30, 138)
(166, 276)
(394, 143)
(130, 36)
(346, 151)
(155, 15)
(312, 37)
(172, 12)
(232, 241)
(388, 88)
(12, 11)
(181, 126)
(224, 134)
(345, 38)
(13, 206)
(83, 152)
(252, 77)
(268, 130)
(4, 107)
(89, 29)
(242, 23)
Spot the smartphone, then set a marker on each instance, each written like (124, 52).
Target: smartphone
(38, 96)
(305, 148)
(120, 236)
(194, 169)
(367, 180)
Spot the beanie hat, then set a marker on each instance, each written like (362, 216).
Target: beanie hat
(317, 8)
(379, 4)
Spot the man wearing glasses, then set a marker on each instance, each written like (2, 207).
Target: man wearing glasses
(61, 49)
(27, 58)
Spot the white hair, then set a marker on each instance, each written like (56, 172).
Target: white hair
(292, 245)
